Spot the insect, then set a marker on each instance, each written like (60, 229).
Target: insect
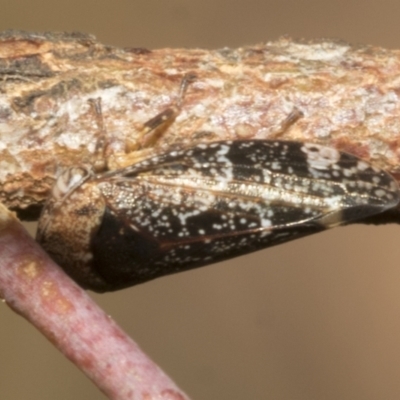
(190, 207)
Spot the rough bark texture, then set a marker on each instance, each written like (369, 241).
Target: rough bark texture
(348, 97)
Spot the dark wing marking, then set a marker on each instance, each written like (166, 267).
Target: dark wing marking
(215, 201)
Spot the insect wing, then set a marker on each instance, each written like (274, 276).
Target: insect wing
(211, 202)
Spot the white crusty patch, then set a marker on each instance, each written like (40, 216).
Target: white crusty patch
(320, 157)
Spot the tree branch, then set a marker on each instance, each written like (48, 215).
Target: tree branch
(37, 289)
(348, 98)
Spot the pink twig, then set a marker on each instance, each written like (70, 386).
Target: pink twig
(36, 288)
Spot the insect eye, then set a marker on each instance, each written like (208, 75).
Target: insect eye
(68, 180)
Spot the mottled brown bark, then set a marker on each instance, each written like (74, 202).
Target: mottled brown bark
(347, 97)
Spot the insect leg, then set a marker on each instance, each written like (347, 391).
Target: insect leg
(151, 131)
(288, 122)
(100, 158)
(155, 127)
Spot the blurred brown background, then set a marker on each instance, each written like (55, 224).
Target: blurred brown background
(317, 318)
